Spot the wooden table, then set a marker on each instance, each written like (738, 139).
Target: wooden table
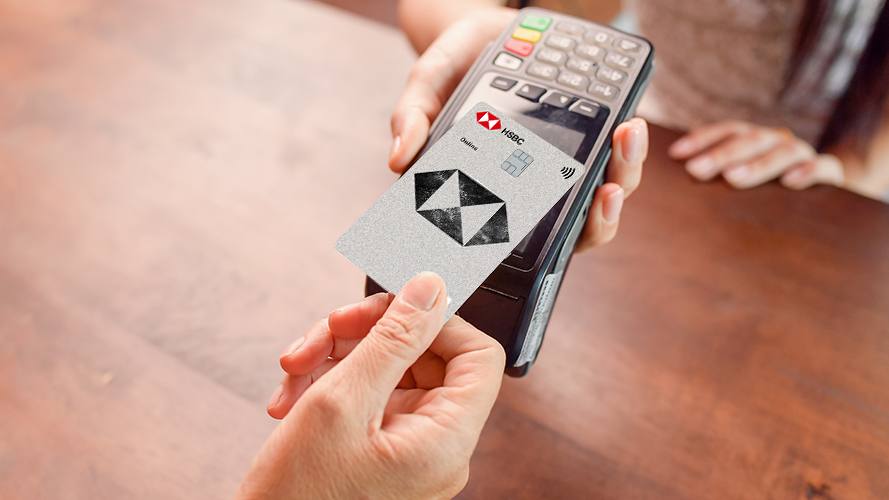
(173, 176)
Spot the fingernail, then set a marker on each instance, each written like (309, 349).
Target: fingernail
(422, 293)
(396, 144)
(294, 346)
(736, 174)
(681, 147)
(276, 396)
(342, 309)
(613, 205)
(632, 146)
(699, 166)
(795, 176)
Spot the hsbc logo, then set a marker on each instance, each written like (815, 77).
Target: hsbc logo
(491, 122)
(488, 120)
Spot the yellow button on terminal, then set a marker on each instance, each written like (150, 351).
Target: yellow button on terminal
(526, 35)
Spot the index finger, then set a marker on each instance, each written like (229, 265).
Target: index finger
(334, 337)
(703, 137)
(473, 373)
(432, 80)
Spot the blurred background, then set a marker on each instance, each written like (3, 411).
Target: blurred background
(173, 176)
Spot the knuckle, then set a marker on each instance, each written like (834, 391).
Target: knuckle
(758, 134)
(592, 237)
(432, 63)
(722, 155)
(804, 148)
(423, 67)
(786, 146)
(396, 332)
(387, 451)
(326, 405)
(497, 352)
(632, 180)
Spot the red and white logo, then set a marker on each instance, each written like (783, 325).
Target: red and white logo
(488, 120)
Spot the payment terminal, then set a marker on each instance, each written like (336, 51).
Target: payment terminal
(571, 82)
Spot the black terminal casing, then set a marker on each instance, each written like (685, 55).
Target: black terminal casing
(504, 305)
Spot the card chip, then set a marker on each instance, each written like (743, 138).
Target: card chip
(517, 162)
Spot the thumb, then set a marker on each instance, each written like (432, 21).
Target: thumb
(824, 169)
(396, 341)
(432, 80)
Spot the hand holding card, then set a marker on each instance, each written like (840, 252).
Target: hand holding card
(462, 207)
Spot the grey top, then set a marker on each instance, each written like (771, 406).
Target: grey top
(728, 59)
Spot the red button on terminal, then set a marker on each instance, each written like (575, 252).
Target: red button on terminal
(520, 47)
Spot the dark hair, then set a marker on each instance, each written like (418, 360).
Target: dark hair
(858, 113)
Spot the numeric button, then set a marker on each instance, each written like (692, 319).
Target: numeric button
(574, 80)
(611, 76)
(560, 42)
(552, 56)
(604, 91)
(582, 66)
(618, 60)
(590, 51)
(570, 28)
(543, 71)
(599, 37)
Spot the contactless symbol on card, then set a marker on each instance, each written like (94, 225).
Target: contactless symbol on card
(461, 207)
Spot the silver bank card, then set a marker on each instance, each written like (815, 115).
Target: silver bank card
(462, 207)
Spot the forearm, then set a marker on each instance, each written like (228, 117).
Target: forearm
(424, 20)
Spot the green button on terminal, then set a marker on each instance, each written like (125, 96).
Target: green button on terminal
(538, 23)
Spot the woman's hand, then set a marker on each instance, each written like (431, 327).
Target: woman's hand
(380, 401)
(439, 70)
(748, 155)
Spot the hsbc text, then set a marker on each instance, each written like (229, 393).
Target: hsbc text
(512, 136)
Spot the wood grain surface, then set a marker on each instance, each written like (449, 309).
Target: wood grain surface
(173, 176)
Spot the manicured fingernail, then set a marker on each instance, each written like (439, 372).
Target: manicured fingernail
(276, 396)
(736, 174)
(294, 346)
(700, 166)
(681, 147)
(396, 145)
(613, 205)
(422, 291)
(632, 146)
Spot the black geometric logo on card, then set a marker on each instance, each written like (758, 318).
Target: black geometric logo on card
(461, 207)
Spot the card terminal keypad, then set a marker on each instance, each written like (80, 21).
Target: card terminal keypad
(592, 62)
(552, 56)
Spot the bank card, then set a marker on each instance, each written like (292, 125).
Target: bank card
(462, 207)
